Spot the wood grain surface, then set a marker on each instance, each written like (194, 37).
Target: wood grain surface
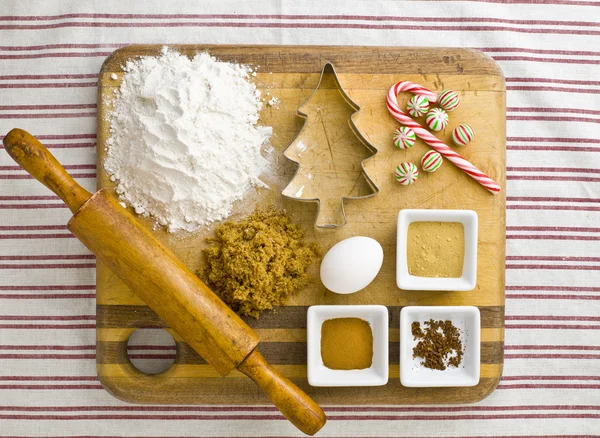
(291, 74)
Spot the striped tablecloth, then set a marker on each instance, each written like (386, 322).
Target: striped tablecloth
(50, 53)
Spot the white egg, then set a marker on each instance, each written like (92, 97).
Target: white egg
(351, 265)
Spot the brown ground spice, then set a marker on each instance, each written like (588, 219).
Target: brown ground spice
(435, 249)
(258, 262)
(437, 342)
(346, 344)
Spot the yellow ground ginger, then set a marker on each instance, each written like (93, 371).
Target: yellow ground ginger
(258, 262)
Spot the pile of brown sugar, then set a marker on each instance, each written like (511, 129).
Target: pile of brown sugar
(435, 249)
(439, 344)
(346, 344)
(258, 262)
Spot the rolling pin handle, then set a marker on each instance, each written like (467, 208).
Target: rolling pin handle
(33, 156)
(291, 401)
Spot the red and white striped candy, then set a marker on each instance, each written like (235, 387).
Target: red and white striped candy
(406, 173)
(429, 138)
(462, 134)
(417, 106)
(404, 138)
(448, 100)
(431, 161)
(436, 119)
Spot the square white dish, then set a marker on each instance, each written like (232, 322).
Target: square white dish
(468, 280)
(467, 320)
(319, 374)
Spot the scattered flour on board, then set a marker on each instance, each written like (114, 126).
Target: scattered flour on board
(184, 143)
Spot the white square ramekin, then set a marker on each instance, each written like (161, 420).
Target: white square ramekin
(319, 374)
(467, 320)
(468, 280)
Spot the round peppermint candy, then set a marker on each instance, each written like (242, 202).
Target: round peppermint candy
(448, 100)
(431, 161)
(462, 134)
(404, 138)
(417, 106)
(406, 173)
(436, 119)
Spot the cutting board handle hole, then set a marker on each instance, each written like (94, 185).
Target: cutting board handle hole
(151, 351)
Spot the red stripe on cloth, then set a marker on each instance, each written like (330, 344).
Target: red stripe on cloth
(553, 228)
(37, 236)
(552, 207)
(556, 288)
(249, 408)
(48, 76)
(546, 386)
(551, 178)
(47, 115)
(553, 199)
(51, 266)
(25, 198)
(512, 378)
(48, 318)
(51, 85)
(553, 148)
(555, 139)
(550, 356)
(556, 267)
(552, 347)
(27, 176)
(46, 296)
(549, 258)
(48, 347)
(44, 378)
(46, 356)
(550, 318)
(27, 206)
(553, 119)
(44, 388)
(180, 417)
(551, 297)
(345, 436)
(47, 326)
(53, 55)
(552, 326)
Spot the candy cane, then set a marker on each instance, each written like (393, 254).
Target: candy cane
(430, 139)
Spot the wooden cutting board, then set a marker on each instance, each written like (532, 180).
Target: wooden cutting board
(291, 74)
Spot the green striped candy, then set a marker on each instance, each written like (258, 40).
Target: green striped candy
(448, 100)
(431, 161)
(462, 134)
(436, 119)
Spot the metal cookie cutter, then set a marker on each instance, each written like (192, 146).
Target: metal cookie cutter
(330, 152)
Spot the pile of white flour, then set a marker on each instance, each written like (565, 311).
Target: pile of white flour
(184, 142)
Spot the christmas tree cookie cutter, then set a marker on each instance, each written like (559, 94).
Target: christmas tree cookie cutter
(330, 152)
